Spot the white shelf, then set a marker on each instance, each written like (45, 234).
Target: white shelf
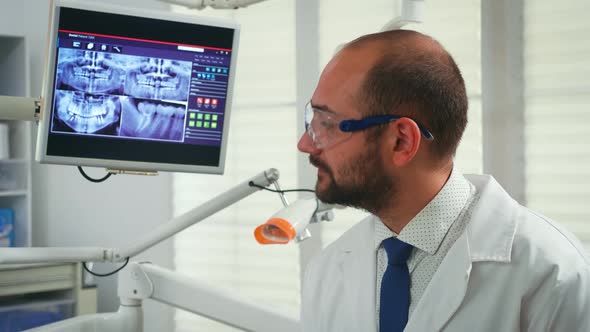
(63, 281)
(16, 172)
(13, 161)
(13, 193)
(25, 279)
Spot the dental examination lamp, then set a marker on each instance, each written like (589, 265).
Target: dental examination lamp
(217, 4)
(131, 96)
(290, 224)
(412, 11)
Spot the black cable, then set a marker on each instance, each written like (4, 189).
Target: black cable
(252, 184)
(106, 274)
(92, 179)
(317, 201)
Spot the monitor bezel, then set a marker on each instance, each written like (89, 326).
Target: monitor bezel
(48, 90)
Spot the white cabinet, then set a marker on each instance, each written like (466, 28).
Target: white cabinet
(15, 172)
(42, 292)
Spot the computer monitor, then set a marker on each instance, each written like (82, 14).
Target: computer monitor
(130, 89)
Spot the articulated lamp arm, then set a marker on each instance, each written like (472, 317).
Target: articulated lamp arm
(19, 108)
(141, 281)
(412, 11)
(159, 234)
(217, 4)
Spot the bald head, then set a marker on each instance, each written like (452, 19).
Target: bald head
(411, 74)
(397, 40)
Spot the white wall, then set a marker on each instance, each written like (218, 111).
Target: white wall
(70, 211)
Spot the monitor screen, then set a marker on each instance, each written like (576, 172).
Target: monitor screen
(137, 90)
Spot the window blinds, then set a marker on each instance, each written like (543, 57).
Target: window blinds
(557, 111)
(221, 250)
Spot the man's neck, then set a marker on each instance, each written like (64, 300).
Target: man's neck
(407, 203)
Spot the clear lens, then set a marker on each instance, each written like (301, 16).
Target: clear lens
(323, 128)
(308, 116)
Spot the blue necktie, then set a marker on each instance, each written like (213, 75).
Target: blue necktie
(395, 287)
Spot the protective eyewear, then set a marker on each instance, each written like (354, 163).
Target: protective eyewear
(327, 129)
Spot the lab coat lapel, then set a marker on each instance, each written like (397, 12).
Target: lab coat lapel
(483, 240)
(446, 290)
(358, 263)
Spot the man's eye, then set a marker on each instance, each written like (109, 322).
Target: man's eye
(327, 124)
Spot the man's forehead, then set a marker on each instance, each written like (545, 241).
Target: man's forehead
(340, 83)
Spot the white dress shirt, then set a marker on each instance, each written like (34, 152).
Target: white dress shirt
(431, 232)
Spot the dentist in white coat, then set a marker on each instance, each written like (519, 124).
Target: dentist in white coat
(382, 127)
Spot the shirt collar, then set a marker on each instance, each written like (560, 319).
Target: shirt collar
(428, 228)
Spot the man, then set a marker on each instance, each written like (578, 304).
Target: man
(441, 251)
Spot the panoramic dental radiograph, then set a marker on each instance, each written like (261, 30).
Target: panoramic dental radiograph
(89, 71)
(121, 95)
(158, 79)
(87, 113)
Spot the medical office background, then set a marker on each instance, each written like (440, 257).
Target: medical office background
(527, 72)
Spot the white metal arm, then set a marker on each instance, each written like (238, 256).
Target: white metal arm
(218, 4)
(223, 306)
(199, 213)
(19, 108)
(161, 233)
(412, 11)
(141, 281)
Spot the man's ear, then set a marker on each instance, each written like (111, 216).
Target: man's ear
(403, 141)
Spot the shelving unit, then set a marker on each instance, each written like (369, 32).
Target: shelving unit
(15, 172)
(46, 290)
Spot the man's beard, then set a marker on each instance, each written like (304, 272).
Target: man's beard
(363, 183)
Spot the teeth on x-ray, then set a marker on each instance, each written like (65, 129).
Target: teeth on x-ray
(90, 71)
(87, 113)
(92, 88)
(154, 78)
(169, 110)
(150, 119)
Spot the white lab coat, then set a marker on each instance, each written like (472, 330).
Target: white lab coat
(511, 270)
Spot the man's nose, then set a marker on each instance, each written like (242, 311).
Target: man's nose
(306, 145)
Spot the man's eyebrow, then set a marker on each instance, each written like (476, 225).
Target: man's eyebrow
(322, 107)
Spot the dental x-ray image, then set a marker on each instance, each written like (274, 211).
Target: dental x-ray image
(89, 71)
(148, 118)
(122, 95)
(83, 112)
(159, 79)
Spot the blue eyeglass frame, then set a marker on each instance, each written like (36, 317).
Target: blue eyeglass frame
(370, 121)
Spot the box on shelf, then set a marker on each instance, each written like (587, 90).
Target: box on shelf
(25, 316)
(6, 227)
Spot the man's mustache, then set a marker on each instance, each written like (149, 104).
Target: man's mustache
(315, 161)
